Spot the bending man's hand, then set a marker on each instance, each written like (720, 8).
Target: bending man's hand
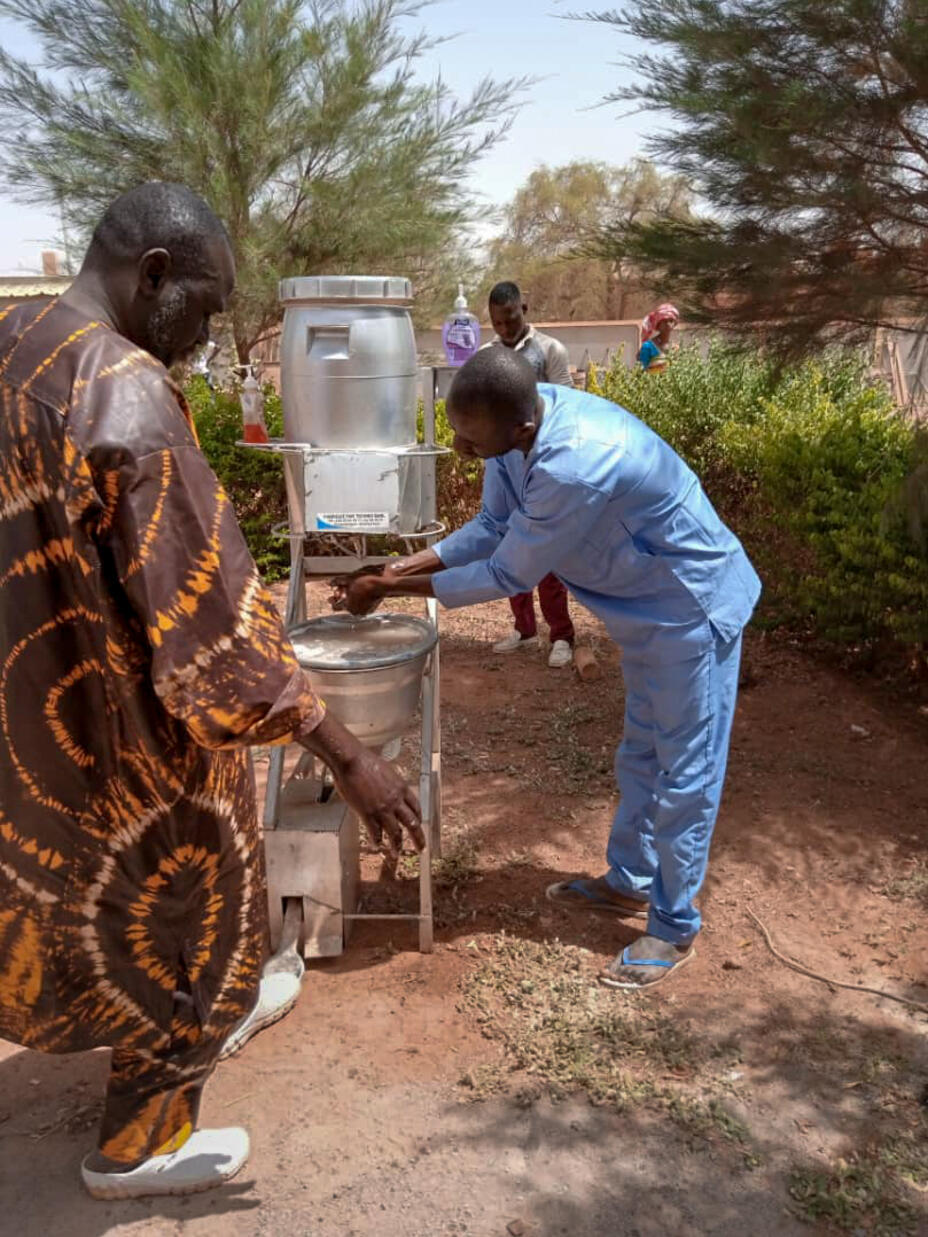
(364, 590)
(359, 594)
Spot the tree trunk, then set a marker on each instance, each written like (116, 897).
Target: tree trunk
(243, 341)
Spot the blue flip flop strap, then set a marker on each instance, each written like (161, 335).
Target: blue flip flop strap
(592, 897)
(627, 961)
(578, 888)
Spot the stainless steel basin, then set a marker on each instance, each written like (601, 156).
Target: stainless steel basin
(367, 670)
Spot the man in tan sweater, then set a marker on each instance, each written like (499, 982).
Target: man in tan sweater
(548, 358)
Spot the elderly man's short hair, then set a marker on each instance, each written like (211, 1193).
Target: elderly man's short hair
(157, 215)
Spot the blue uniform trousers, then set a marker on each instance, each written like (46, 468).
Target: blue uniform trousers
(670, 768)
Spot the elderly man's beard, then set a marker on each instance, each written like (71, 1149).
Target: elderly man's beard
(163, 327)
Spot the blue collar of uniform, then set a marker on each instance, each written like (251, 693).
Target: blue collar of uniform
(542, 431)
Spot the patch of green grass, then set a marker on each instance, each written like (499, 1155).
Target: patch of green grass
(519, 859)
(458, 866)
(572, 714)
(911, 886)
(882, 1069)
(575, 757)
(703, 1118)
(866, 1191)
(907, 1156)
(707, 1119)
(539, 1001)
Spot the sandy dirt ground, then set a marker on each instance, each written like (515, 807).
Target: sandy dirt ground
(412, 1096)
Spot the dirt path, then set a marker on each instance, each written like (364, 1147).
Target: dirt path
(412, 1096)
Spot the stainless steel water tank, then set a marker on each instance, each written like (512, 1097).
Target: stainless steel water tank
(348, 361)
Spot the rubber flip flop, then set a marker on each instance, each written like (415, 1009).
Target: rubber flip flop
(573, 896)
(208, 1158)
(661, 965)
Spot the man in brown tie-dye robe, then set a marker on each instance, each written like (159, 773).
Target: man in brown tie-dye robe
(139, 655)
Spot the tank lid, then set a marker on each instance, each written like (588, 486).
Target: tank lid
(343, 642)
(346, 288)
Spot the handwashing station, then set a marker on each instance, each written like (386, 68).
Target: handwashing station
(355, 469)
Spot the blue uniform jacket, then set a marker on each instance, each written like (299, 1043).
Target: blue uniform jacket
(613, 511)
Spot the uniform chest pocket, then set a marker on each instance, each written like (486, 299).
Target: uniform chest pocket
(615, 564)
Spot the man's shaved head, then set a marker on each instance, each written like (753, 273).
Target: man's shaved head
(158, 215)
(493, 404)
(158, 266)
(496, 381)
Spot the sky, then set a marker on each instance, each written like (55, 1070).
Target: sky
(577, 64)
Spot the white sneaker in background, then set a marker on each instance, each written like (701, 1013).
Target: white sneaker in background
(514, 641)
(561, 654)
(207, 1159)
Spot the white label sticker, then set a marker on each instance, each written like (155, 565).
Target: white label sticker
(353, 521)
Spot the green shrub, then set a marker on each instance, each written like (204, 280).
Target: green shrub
(253, 479)
(808, 464)
(459, 482)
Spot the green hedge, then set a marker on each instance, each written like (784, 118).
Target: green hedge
(458, 481)
(808, 465)
(253, 479)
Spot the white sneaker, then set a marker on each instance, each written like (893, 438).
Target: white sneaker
(276, 997)
(561, 654)
(207, 1159)
(514, 641)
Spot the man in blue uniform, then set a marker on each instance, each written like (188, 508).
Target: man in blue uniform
(578, 486)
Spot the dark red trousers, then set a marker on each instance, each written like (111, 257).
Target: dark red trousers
(553, 597)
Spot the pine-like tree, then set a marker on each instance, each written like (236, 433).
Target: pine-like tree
(803, 126)
(303, 124)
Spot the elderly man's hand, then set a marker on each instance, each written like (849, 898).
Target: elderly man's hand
(382, 799)
(373, 787)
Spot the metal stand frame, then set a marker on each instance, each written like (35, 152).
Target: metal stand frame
(304, 568)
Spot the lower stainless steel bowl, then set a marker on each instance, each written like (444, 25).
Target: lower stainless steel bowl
(367, 670)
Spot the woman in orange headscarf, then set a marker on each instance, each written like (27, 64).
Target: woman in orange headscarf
(656, 330)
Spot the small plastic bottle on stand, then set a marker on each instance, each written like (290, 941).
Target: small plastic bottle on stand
(460, 335)
(252, 400)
